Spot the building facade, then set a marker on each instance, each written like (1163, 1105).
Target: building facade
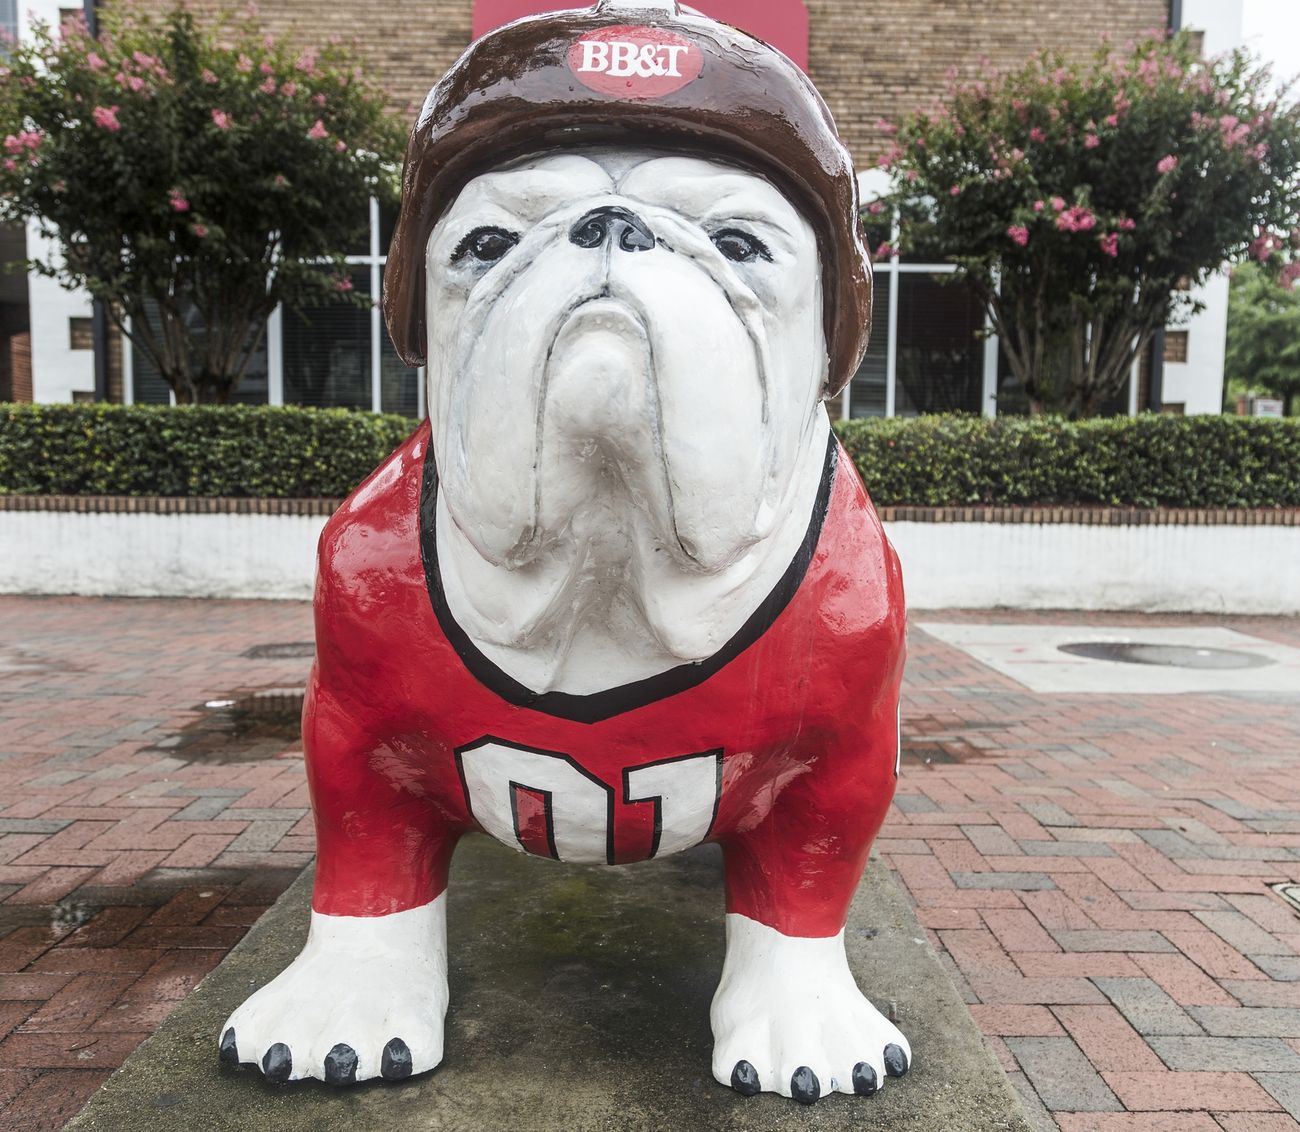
(872, 63)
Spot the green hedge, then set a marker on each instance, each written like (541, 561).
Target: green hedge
(204, 450)
(1147, 461)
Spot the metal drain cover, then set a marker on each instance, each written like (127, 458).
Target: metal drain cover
(1165, 656)
(1289, 892)
(287, 650)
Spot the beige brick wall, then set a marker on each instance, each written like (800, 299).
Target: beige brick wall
(870, 59)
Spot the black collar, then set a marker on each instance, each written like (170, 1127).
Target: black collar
(596, 706)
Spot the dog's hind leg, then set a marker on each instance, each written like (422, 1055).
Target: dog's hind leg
(788, 1016)
(368, 993)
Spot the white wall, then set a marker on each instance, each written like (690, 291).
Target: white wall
(945, 565)
(143, 555)
(57, 369)
(1062, 566)
(1197, 384)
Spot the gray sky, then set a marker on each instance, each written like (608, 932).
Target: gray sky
(1271, 29)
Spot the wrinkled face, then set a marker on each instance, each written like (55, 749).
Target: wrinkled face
(622, 323)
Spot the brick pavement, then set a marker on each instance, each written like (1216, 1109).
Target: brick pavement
(1093, 869)
(1095, 872)
(127, 871)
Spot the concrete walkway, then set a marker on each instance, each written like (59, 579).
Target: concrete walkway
(579, 1003)
(1095, 868)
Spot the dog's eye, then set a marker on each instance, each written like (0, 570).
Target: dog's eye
(740, 247)
(487, 245)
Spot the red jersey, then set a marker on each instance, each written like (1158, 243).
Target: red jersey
(414, 735)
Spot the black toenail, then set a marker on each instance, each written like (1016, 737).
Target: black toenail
(396, 1062)
(341, 1065)
(229, 1049)
(804, 1086)
(278, 1063)
(864, 1079)
(744, 1079)
(895, 1060)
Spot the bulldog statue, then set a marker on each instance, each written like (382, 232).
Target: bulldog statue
(623, 593)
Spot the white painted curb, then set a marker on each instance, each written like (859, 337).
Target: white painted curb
(1192, 569)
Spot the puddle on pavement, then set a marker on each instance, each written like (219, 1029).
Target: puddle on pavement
(930, 739)
(66, 915)
(249, 725)
(16, 660)
(282, 650)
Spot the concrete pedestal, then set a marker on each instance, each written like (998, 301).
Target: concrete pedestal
(579, 1001)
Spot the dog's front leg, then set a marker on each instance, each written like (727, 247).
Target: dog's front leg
(788, 1016)
(367, 995)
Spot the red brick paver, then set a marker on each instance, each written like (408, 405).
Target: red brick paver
(1094, 869)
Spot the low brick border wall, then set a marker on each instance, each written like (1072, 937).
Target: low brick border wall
(1077, 515)
(1087, 558)
(167, 505)
(1085, 516)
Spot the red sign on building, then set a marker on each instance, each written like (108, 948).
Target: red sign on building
(782, 23)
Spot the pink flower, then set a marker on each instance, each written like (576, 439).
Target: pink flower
(10, 164)
(318, 130)
(222, 120)
(133, 83)
(884, 251)
(177, 200)
(289, 89)
(200, 230)
(1076, 219)
(343, 285)
(1167, 164)
(1019, 234)
(268, 87)
(1289, 274)
(1039, 206)
(1127, 224)
(1263, 247)
(875, 208)
(1058, 203)
(1091, 141)
(207, 76)
(280, 180)
(244, 64)
(1112, 120)
(266, 68)
(1260, 151)
(94, 62)
(318, 99)
(1037, 134)
(1110, 244)
(341, 146)
(955, 191)
(25, 139)
(306, 62)
(106, 117)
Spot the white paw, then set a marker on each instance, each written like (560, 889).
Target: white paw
(366, 998)
(788, 1018)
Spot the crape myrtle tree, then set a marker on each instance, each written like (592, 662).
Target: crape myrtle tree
(193, 178)
(1263, 348)
(1082, 200)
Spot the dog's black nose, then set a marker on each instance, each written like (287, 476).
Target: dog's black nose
(616, 224)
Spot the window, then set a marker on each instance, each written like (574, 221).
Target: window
(332, 355)
(1175, 345)
(81, 334)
